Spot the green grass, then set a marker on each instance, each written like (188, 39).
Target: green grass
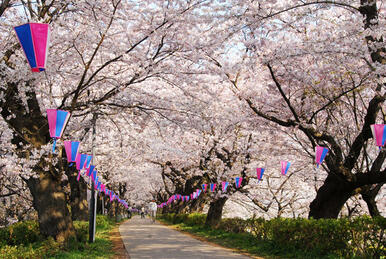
(245, 242)
(75, 248)
(101, 248)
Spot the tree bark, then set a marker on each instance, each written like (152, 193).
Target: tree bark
(368, 196)
(198, 205)
(371, 205)
(111, 209)
(215, 212)
(3, 6)
(78, 195)
(99, 204)
(331, 197)
(49, 200)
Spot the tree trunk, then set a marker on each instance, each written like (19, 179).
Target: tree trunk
(330, 198)
(368, 196)
(111, 209)
(78, 195)
(49, 201)
(371, 205)
(99, 204)
(215, 212)
(117, 212)
(198, 205)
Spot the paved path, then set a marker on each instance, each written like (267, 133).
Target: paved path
(144, 239)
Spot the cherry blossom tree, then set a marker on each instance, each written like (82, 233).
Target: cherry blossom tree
(84, 74)
(210, 89)
(317, 67)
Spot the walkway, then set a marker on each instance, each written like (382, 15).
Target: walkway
(144, 239)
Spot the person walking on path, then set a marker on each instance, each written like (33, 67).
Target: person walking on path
(129, 214)
(153, 209)
(142, 212)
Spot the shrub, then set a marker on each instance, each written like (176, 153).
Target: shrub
(46, 249)
(49, 247)
(234, 225)
(195, 219)
(24, 232)
(4, 235)
(323, 236)
(104, 222)
(15, 252)
(81, 228)
(367, 237)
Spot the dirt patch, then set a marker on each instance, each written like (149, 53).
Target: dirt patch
(118, 246)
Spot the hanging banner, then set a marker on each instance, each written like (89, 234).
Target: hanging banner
(320, 154)
(57, 120)
(238, 181)
(224, 186)
(379, 134)
(212, 187)
(72, 149)
(260, 173)
(34, 38)
(285, 165)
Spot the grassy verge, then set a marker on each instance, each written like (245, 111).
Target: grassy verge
(76, 248)
(101, 248)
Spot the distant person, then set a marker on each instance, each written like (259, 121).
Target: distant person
(153, 209)
(142, 213)
(129, 212)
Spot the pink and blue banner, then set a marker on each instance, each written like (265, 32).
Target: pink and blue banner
(213, 187)
(379, 134)
(238, 181)
(72, 149)
(204, 187)
(260, 173)
(96, 181)
(224, 186)
(34, 38)
(90, 170)
(320, 154)
(57, 120)
(103, 187)
(88, 161)
(81, 160)
(94, 175)
(285, 165)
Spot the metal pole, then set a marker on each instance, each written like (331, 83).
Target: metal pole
(92, 212)
(103, 205)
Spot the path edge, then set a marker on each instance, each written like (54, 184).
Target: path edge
(118, 246)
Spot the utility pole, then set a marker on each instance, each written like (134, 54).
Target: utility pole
(103, 205)
(92, 205)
